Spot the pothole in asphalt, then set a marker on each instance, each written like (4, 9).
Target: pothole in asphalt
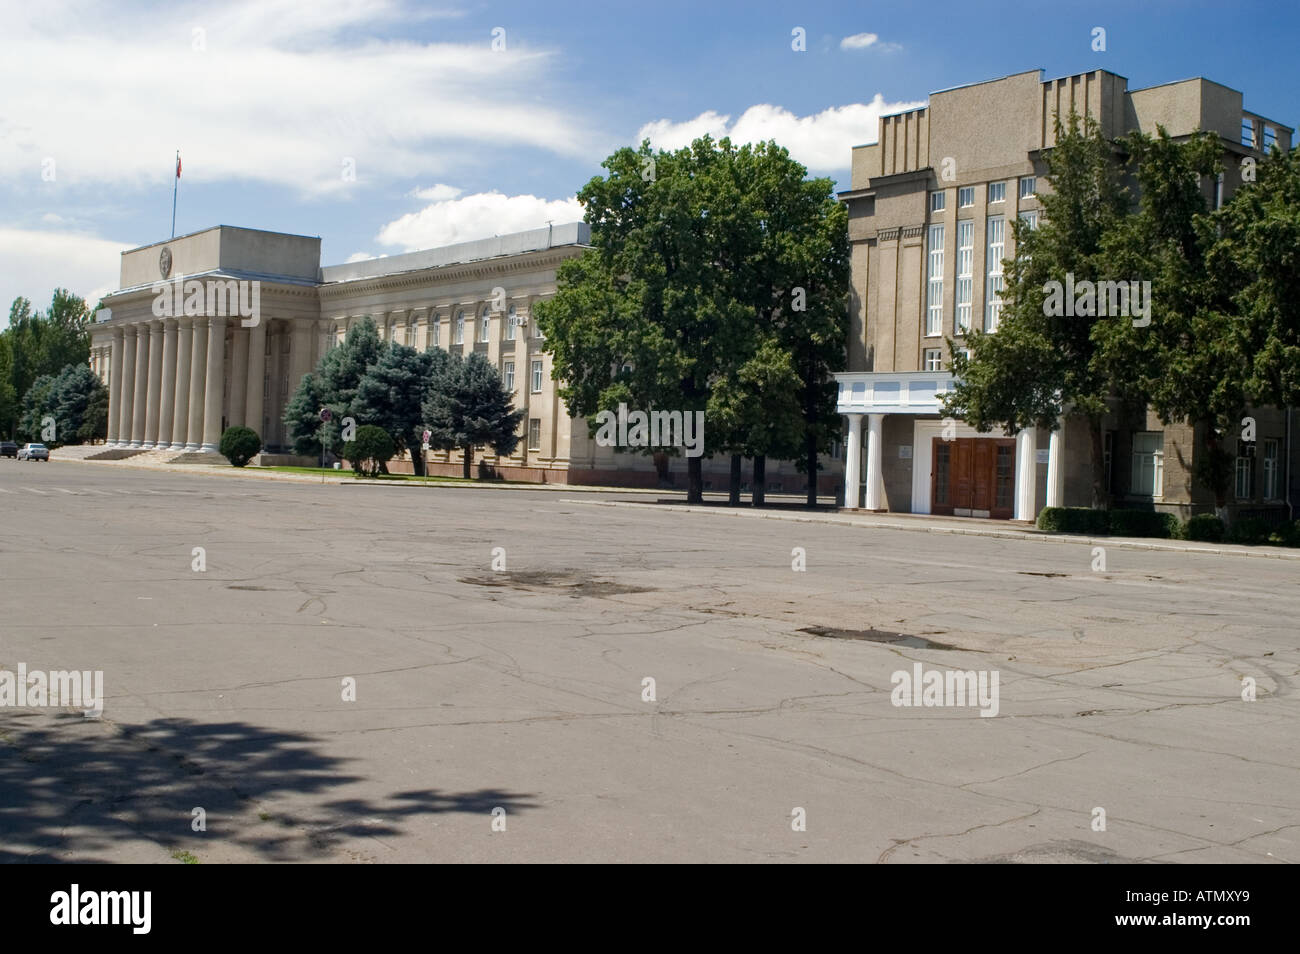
(876, 636)
(570, 581)
(1034, 573)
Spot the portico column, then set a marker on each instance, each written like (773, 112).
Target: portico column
(155, 385)
(1026, 473)
(215, 384)
(138, 402)
(238, 372)
(126, 387)
(198, 370)
(1055, 477)
(114, 388)
(852, 459)
(255, 377)
(181, 386)
(299, 353)
(167, 397)
(874, 433)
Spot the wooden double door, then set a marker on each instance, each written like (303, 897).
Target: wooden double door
(973, 477)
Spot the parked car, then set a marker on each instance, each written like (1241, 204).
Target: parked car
(8, 449)
(34, 452)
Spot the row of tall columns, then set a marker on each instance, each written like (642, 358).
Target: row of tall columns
(167, 381)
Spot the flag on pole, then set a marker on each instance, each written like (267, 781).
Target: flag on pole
(178, 165)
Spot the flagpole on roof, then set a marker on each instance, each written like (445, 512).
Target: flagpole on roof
(175, 182)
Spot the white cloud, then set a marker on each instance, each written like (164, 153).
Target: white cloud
(437, 193)
(477, 216)
(861, 41)
(822, 141)
(280, 93)
(37, 262)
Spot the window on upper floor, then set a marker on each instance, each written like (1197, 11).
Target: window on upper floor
(1028, 187)
(993, 258)
(965, 274)
(1247, 131)
(512, 317)
(485, 324)
(965, 197)
(934, 303)
(997, 192)
(933, 359)
(460, 328)
(938, 200)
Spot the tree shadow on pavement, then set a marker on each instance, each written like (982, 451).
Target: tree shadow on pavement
(78, 790)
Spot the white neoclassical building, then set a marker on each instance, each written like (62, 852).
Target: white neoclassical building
(218, 327)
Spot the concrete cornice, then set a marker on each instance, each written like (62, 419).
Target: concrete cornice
(446, 274)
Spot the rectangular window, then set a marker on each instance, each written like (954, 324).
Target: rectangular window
(1148, 476)
(1247, 131)
(993, 287)
(1028, 187)
(1244, 483)
(965, 274)
(535, 434)
(537, 377)
(965, 197)
(512, 323)
(937, 201)
(933, 359)
(508, 375)
(435, 329)
(484, 327)
(537, 331)
(1030, 219)
(460, 328)
(997, 192)
(934, 308)
(1270, 138)
(1272, 485)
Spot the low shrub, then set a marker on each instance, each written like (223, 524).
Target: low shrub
(239, 445)
(1249, 530)
(1144, 523)
(1205, 527)
(372, 449)
(1072, 520)
(1287, 535)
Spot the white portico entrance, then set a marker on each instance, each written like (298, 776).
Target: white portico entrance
(948, 467)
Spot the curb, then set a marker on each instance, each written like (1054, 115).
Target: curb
(1119, 543)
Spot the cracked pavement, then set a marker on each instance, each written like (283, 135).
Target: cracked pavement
(523, 689)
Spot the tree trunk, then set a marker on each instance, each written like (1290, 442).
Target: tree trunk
(417, 461)
(733, 494)
(467, 462)
(758, 496)
(694, 480)
(1100, 492)
(810, 463)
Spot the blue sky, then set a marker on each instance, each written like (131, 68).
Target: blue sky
(269, 100)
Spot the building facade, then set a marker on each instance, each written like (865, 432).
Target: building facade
(184, 356)
(930, 213)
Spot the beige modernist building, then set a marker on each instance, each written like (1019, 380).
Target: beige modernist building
(218, 327)
(930, 213)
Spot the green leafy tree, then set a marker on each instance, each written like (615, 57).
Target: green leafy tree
(239, 445)
(392, 394)
(38, 403)
(1037, 365)
(370, 450)
(302, 420)
(468, 405)
(1188, 362)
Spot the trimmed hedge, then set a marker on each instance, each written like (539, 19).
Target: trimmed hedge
(1072, 520)
(1287, 535)
(239, 445)
(1205, 527)
(1144, 523)
(1249, 530)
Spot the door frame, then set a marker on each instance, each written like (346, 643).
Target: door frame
(923, 431)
